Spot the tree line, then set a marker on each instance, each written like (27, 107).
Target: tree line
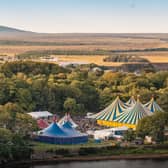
(43, 53)
(37, 86)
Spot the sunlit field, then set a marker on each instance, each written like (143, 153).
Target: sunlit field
(90, 42)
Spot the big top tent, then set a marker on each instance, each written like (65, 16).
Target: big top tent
(64, 134)
(131, 101)
(109, 114)
(132, 115)
(153, 106)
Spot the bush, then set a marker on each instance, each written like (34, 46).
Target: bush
(13, 147)
(87, 151)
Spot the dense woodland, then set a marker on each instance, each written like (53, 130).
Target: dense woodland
(42, 86)
(125, 58)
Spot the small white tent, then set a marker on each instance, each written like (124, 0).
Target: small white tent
(111, 132)
(40, 114)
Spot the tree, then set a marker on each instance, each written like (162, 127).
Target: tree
(153, 126)
(129, 135)
(70, 104)
(4, 118)
(113, 78)
(105, 97)
(8, 114)
(89, 96)
(24, 99)
(13, 146)
(5, 142)
(158, 79)
(12, 118)
(5, 135)
(163, 99)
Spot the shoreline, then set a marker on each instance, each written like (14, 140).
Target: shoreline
(87, 158)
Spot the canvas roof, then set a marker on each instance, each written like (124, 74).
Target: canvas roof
(40, 114)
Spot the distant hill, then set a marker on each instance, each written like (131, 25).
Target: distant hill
(98, 42)
(161, 36)
(8, 31)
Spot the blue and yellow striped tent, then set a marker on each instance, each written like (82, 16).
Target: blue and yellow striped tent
(109, 114)
(131, 101)
(153, 106)
(127, 114)
(132, 115)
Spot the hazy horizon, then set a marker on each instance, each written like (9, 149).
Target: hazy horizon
(85, 16)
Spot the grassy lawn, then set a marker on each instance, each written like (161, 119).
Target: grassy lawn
(89, 149)
(38, 146)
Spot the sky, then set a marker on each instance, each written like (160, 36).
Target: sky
(86, 16)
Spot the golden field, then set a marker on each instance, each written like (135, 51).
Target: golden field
(99, 59)
(90, 42)
(87, 59)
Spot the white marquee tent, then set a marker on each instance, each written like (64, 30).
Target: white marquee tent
(40, 114)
